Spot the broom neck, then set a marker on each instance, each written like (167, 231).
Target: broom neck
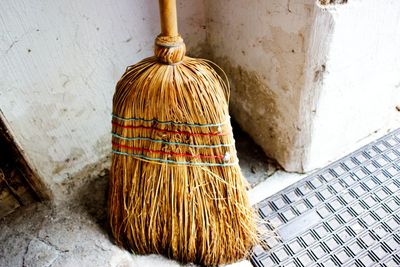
(169, 46)
(168, 18)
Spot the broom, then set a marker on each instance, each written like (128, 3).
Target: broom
(175, 184)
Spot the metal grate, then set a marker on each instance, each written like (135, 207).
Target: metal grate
(347, 214)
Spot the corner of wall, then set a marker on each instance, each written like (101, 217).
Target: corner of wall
(316, 66)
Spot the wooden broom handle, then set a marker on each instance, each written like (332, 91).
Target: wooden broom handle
(168, 17)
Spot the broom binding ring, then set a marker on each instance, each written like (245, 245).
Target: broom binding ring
(169, 50)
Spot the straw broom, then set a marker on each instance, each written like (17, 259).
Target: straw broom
(175, 186)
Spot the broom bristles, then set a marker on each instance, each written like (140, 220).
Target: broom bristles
(176, 188)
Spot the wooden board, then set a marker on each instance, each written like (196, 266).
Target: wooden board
(18, 184)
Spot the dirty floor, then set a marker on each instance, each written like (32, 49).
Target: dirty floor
(73, 233)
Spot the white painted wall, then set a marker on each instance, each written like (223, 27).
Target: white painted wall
(263, 46)
(360, 87)
(59, 62)
(310, 82)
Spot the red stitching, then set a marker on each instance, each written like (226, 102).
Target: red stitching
(167, 153)
(166, 131)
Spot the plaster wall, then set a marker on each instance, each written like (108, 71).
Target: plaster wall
(309, 81)
(360, 84)
(60, 61)
(263, 46)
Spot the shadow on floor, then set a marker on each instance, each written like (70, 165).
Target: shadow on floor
(255, 165)
(92, 197)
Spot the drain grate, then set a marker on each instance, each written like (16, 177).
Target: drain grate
(347, 214)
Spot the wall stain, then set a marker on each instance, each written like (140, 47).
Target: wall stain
(253, 105)
(69, 188)
(103, 144)
(59, 166)
(319, 73)
(287, 51)
(332, 2)
(201, 50)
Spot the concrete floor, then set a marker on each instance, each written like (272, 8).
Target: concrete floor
(74, 233)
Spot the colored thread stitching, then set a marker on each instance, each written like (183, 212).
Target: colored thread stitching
(168, 153)
(166, 131)
(170, 122)
(168, 143)
(208, 164)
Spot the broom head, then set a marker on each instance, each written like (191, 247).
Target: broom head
(176, 188)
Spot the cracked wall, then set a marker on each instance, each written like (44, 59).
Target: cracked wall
(60, 61)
